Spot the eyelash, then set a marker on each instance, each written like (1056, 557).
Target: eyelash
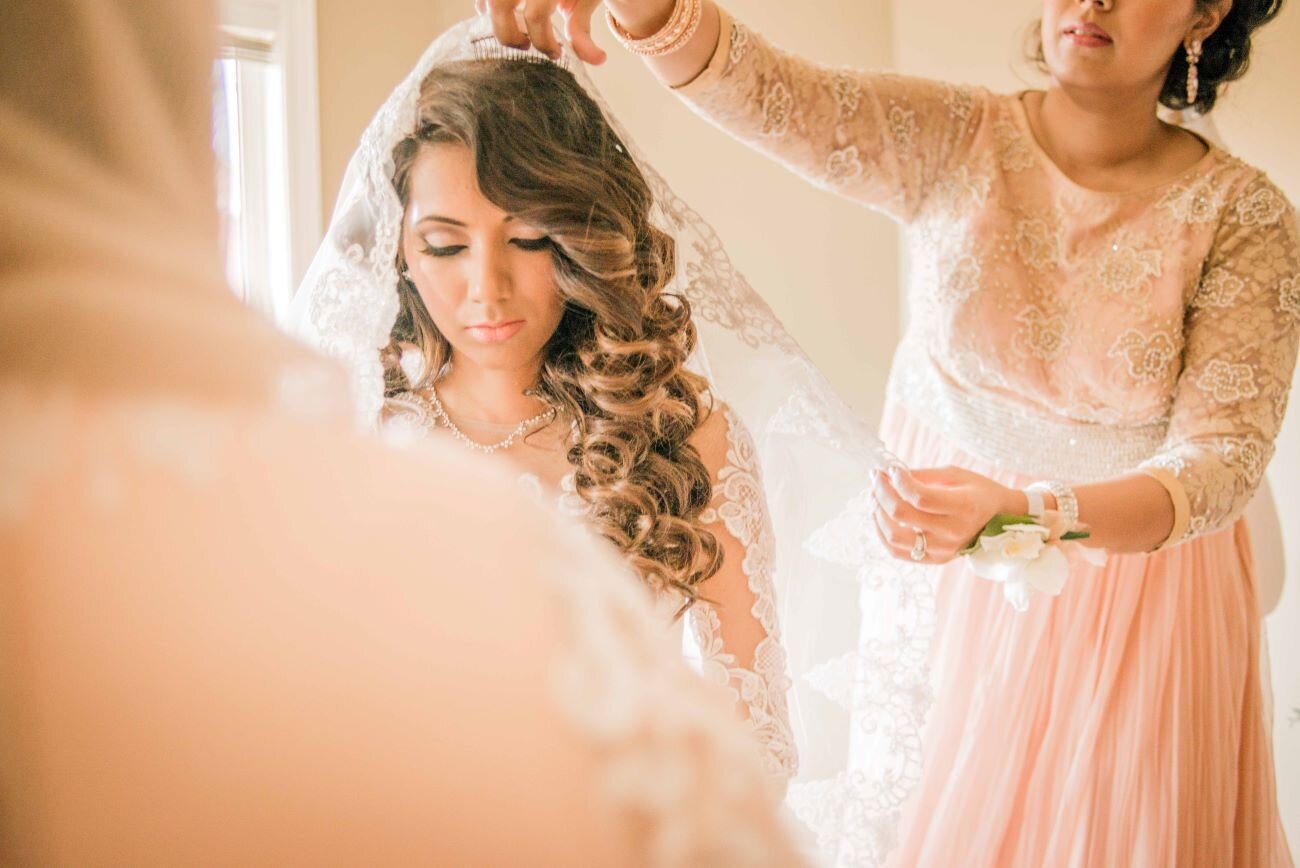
(532, 245)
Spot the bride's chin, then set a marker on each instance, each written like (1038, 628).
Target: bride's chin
(505, 356)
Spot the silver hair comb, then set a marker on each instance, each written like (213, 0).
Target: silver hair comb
(489, 48)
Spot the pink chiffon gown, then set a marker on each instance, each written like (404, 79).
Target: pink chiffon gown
(1063, 333)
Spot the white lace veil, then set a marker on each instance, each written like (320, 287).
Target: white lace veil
(856, 623)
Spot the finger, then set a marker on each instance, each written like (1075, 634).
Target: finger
(505, 24)
(944, 536)
(941, 477)
(899, 540)
(480, 6)
(577, 25)
(899, 510)
(541, 30)
(882, 536)
(890, 535)
(925, 497)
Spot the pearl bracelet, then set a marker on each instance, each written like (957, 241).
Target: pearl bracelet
(1066, 503)
(1036, 504)
(682, 26)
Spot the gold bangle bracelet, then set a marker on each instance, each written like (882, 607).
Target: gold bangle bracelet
(681, 27)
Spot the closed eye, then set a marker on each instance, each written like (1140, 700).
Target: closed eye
(430, 250)
(532, 244)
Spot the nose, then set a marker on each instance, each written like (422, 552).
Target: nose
(491, 280)
(1100, 5)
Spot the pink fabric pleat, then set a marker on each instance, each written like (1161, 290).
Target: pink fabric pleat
(1121, 723)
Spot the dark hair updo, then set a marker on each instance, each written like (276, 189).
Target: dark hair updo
(1225, 56)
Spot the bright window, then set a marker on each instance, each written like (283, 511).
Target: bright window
(264, 134)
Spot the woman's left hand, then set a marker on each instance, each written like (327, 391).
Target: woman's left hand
(948, 505)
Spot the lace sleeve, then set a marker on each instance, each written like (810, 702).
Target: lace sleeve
(879, 139)
(1241, 337)
(735, 628)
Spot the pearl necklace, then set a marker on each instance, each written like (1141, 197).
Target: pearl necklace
(440, 414)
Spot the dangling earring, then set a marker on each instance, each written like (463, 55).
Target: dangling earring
(1193, 83)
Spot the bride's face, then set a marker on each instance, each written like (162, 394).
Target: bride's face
(486, 278)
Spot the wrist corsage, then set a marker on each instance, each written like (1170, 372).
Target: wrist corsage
(1024, 551)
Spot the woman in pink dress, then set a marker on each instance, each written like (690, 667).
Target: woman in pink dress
(1105, 307)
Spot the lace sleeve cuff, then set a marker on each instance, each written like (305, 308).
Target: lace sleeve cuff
(712, 74)
(1182, 507)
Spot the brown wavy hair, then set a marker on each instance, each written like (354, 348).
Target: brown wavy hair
(544, 153)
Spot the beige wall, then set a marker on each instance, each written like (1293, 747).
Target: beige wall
(364, 49)
(829, 269)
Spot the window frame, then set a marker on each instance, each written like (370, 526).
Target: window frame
(290, 27)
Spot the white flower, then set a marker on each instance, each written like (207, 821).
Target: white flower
(1020, 558)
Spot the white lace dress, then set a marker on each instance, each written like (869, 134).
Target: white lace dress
(734, 637)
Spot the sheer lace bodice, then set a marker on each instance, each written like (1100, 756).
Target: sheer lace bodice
(1057, 330)
(735, 628)
(734, 633)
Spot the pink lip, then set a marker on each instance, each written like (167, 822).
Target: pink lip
(495, 332)
(1086, 34)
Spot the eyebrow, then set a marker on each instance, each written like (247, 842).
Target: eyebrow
(438, 218)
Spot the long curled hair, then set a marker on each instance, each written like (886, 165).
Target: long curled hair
(544, 153)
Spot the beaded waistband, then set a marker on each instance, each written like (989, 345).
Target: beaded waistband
(1014, 437)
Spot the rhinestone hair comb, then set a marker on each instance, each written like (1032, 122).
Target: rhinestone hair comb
(489, 48)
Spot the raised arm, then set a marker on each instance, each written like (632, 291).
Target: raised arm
(879, 139)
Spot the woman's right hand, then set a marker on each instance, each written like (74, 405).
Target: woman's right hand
(525, 23)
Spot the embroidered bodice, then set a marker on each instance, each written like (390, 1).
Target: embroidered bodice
(1055, 329)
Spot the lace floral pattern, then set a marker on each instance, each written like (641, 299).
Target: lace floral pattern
(640, 712)
(1228, 382)
(843, 165)
(1198, 202)
(1288, 299)
(1218, 288)
(1127, 271)
(1173, 309)
(760, 683)
(1038, 243)
(1041, 336)
(777, 107)
(1147, 356)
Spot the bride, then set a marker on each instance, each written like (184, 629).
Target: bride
(549, 308)
(523, 284)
